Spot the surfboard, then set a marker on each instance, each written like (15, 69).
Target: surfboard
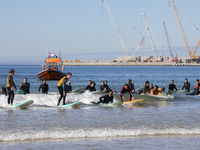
(134, 102)
(114, 103)
(72, 105)
(52, 93)
(77, 90)
(97, 92)
(20, 92)
(23, 105)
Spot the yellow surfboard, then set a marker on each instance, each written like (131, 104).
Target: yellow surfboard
(138, 101)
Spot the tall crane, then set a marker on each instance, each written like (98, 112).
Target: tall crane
(142, 41)
(148, 31)
(170, 49)
(116, 28)
(183, 35)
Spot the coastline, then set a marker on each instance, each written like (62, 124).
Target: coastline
(111, 63)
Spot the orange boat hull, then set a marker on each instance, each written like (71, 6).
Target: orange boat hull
(51, 74)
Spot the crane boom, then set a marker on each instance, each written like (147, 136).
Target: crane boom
(116, 28)
(170, 49)
(137, 48)
(151, 40)
(183, 34)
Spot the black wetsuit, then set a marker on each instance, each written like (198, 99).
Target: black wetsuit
(4, 93)
(25, 87)
(107, 87)
(171, 87)
(45, 88)
(101, 88)
(10, 92)
(186, 86)
(68, 89)
(104, 99)
(131, 85)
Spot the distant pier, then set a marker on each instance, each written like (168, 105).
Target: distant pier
(111, 63)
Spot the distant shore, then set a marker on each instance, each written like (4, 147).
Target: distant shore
(111, 63)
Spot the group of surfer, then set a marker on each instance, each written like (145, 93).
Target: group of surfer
(104, 88)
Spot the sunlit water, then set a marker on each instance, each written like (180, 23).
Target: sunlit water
(165, 122)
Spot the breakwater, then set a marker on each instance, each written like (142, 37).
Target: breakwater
(111, 63)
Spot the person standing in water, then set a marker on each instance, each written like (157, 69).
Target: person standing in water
(125, 89)
(44, 86)
(25, 86)
(172, 86)
(61, 87)
(10, 84)
(186, 85)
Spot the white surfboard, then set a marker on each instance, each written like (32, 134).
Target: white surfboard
(23, 105)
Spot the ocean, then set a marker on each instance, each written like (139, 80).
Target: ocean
(165, 122)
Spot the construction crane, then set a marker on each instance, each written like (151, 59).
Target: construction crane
(116, 28)
(170, 49)
(183, 35)
(148, 31)
(142, 41)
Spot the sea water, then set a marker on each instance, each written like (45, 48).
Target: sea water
(165, 122)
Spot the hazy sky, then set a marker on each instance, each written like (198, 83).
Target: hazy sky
(30, 28)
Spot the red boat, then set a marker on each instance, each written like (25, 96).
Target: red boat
(50, 68)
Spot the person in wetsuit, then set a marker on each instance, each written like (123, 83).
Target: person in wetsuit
(25, 86)
(92, 87)
(131, 85)
(197, 81)
(105, 98)
(151, 86)
(172, 86)
(3, 91)
(125, 89)
(10, 84)
(68, 87)
(62, 87)
(105, 90)
(44, 86)
(155, 91)
(102, 86)
(106, 85)
(186, 85)
(145, 89)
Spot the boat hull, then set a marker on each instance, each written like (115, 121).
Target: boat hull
(51, 75)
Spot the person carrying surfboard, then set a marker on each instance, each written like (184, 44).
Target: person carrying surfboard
(61, 87)
(105, 98)
(125, 89)
(10, 84)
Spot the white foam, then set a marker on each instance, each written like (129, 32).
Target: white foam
(95, 133)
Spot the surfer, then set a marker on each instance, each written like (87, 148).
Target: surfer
(151, 86)
(102, 86)
(61, 87)
(106, 85)
(105, 98)
(172, 86)
(44, 86)
(197, 81)
(68, 87)
(3, 91)
(155, 91)
(10, 84)
(105, 90)
(145, 90)
(125, 89)
(186, 85)
(131, 85)
(25, 86)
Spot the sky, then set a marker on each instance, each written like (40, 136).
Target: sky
(83, 29)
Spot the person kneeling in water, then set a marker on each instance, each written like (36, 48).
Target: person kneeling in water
(105, 98)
